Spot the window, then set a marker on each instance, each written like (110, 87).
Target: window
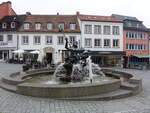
(97, 42)
(143, 36)
(135, 35)
(4, 25)
(37, 26)
(115, 30)
(130, 35)
(88, 29)
(129, 24)
(127, 46)
(37, 39)
(132, 46)
(49, 39)
(49, 26)
(72, 39)
(9, 38)
(107, 43)
(61, 26)
(26, 26)
(97, 29)
(116, 43)
(144, 47)
(13, 25)
(1, 38)
(136, 46)
(88, 42)
(139, 35)
(60, 40)
(127, 34)
(72, 26)
(107, 30)
(25, 40)
(139, 47)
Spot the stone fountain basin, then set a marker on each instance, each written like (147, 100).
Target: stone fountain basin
(69, 90)
(16, 82)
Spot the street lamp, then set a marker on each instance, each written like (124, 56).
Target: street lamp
(149, 50)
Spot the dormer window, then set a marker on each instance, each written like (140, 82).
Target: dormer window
(72, 26)
(26, 26)
(13, 24)
(37, 26)
(49, 26)
(61, 26)
(4, 25)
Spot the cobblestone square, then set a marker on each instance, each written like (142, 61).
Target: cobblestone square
(14, 103)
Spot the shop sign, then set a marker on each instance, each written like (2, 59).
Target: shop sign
(48, 49)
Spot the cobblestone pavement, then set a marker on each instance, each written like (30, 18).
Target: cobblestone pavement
(15, 103)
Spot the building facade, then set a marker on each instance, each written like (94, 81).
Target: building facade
(135, 38)
(43, 32)
(8, 35)
(103, 36)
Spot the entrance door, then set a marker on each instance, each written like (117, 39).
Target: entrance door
(1, 55)
(5, 55)
(49, 58)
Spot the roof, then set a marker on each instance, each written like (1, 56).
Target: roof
(122, 17)
(18, 19)
(142, 56)
(131, 23)
(54, 19)
(98, 18)
(6, 9)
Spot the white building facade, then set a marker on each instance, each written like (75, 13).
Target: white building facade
(8, 35)
(8, 43)
(51, 43)
(103, 36)
(42, 32)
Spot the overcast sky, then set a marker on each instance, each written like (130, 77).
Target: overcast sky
(137, 8)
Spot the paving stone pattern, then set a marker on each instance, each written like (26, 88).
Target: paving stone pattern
(15, 103)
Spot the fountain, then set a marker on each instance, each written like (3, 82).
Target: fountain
(77, 78)
(77, 66)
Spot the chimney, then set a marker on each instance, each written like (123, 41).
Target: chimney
(28, 13)
(77, 13)
(6, 9)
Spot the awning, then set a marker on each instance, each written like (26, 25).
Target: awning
(99, 53)
(142, 56)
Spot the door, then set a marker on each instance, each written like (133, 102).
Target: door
(49, 58)
(6, 55)
(1, 55)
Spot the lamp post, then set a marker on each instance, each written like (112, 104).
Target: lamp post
(149, 50)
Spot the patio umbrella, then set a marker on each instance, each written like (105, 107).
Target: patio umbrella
(35, 52)
(19, 51)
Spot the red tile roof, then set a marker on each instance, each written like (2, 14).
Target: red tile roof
(6, 9)
(54, 19)
(98, 18)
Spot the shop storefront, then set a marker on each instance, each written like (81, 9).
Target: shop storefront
(107, 59)
(102, 58)
(6, 53)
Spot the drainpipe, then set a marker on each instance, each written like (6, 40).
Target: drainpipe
(17, 42)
